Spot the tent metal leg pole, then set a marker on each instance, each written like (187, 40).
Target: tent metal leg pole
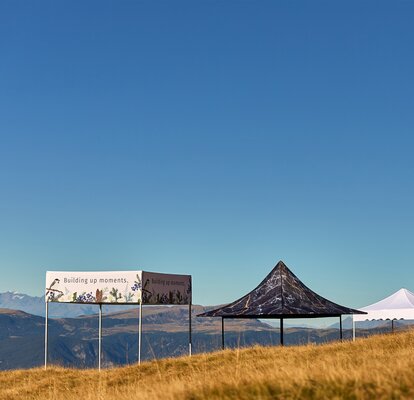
(46, 331)
(140, 333)
(189, 331)
(353, 329)
(340, 328)
(100, 337)
(392, 326)
(281, 331)
(222, 333)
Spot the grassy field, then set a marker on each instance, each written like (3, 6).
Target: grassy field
(380, 367)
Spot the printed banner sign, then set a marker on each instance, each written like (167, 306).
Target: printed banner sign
(165, 288)
(117, 287)
(94, 287)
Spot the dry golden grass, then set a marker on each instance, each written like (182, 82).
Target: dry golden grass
(380, 367)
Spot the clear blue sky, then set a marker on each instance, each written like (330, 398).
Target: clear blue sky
(211, 138)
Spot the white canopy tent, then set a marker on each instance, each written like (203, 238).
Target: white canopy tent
(400, 305)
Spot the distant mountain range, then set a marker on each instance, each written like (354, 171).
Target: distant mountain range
(73, 339)
(36, 305)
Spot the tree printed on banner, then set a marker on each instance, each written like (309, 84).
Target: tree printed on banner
(115, 295)
(174, 296)
(146, 294)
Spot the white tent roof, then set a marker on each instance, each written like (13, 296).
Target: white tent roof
(399, 305)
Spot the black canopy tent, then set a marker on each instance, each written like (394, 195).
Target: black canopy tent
(281, 295)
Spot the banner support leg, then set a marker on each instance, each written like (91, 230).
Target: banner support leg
(140, 333)
(222, 333)
(46, 332)
(189, 331)
(353, 329)
(281, 332)
(100, 337)
(340, 328)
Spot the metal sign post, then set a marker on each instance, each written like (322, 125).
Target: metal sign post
(189, 330)
(140, 333)
(100, 337)
(222, 333)
(281, 331)
(46, 331)
(353, 329)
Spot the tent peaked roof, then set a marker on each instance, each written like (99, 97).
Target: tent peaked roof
(402, 298)
(400, 305)
(281, 295)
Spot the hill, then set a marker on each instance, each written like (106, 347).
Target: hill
(73, 341)
(380, 367)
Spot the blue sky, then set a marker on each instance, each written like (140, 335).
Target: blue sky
(212, 138)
